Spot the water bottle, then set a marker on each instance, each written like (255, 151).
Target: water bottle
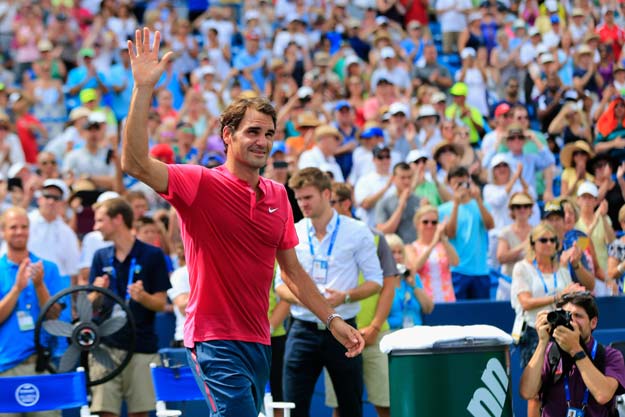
(268, 402)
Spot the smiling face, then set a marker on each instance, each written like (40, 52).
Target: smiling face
(250, 144)
(15, 230)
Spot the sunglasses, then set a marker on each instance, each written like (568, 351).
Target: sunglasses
(432, 222)
(502, 165)
(521, 206)
(52, 162)
(384, 156)
(543, 240)
(420, 161)
(52, 197)
(516, 137)
(338, 200)
(522, 118)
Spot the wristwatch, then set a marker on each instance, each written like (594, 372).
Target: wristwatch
(579, 355)
(348, 299)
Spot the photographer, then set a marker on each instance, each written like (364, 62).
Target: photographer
(582, 377)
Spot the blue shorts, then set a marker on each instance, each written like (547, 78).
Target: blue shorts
(470, 287)
(232, 375)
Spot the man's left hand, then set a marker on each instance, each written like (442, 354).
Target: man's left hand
(568, 339)
(348, 337)
(136, 291)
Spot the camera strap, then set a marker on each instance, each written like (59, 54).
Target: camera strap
(567, 391)
(542, 278)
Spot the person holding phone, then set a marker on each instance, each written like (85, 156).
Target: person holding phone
(468, 220)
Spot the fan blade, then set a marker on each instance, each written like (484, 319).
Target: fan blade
(112, 325)
(84, 307)
(69, 360)
(103, 358)
(58, 328)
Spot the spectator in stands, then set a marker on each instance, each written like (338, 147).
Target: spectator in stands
(585, 74)
(464, 113)
(570, 124)
(610, 130)
(610, 34)
(447, 157)
(10, 148)
(431, 256)
(137, 272)
(513, 238)
(86, 75)
(593, 386)
(411, 301)
(71, 137)
(47, 166)
(48, 101)
(120, 78)
(374, 186)
(430, 133)
(430, 71)
(27, 284)
(470, 157)
(452, 18)
(467, 223)
(471, 35)
(574, 158)
(48, 225)
(344, 122)
(394, 213)
(364, 161)
(390, 68)
(611, 187)
(551, 100)
(327, 141)
(31, 133)
(426, 185)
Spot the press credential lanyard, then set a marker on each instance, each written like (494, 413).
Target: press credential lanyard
(332, 238)
(131, 273)
(567, 391)
(542, 279)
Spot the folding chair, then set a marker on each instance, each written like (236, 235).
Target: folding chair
(178, 385)
(23, 394)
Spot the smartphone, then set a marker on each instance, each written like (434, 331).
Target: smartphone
(15, 182)
(582, 243)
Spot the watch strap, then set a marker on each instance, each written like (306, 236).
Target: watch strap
(579, 355)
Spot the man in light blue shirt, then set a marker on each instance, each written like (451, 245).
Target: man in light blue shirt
(333, 249)
(250, 63)
(84, 76)
(467, 220)
(120, 78)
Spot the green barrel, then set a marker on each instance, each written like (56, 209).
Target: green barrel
(451, 379)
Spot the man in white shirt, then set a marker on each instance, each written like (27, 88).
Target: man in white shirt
(391, 70)
(452, 15)
(327, 139)
(50, 237)
(371, 188)
(334, 249)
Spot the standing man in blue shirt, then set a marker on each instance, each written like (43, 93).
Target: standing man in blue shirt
(251, 63)
(333, 249)
(468, 222)
(26, 284)
(84, 76)
(120, 78)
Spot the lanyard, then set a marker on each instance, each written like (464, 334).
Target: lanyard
(567, 391)
(542, 279)
(332, 239)
(131, 273)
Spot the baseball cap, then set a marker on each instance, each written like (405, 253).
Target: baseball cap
(553, 208)
(379, 148)
(502, 109)
(427, 110)
(551, 5)
(107, 195)
(59, 185)
(381, 20)
(164, 153)
(555, 19)
(519, 24)
(304, 92)
(387, 52)
(520, 199)
(577, 11)
(15, 169)
(533, 31)
(546, 58)
(45, 45)
(416, 154)
(342, 104)
(500, 158)
(467, 52)
(322, 58)
(371, 132)
(251, 15)
(397, 108)
(459, 89)
(87, 52)
(439, 97)
(588, 187)
(87, 95)
(515, 129)
(278, 146)
(78, 112)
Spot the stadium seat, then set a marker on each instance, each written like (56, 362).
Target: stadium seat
(25, 394)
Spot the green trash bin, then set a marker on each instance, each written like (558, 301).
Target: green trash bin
(460, 375)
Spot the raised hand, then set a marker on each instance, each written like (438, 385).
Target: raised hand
(146, 67)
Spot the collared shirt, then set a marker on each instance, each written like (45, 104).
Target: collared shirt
(555, 399)
(17, 345)
(64, 252)
(354, 251)
(315, 158)
(532, 163)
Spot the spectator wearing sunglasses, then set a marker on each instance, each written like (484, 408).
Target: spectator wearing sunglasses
(431, 256)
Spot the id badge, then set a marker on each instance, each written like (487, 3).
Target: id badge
(574, 412)
(320, 271)
(25, 321)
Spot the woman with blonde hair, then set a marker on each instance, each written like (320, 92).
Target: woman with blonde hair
(431, 256)
(411, 300)
(512, 241)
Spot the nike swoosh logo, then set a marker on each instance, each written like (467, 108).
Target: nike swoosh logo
(271, 210)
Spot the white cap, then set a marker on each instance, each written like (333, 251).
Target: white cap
(381, 20)
(15, 169)
(304, 92)
(498, 159)
(52, 182)
(415, 155)
(398, 107)
(207, 70)
(588, 188)
(474, 16)
(351, 59)
(107, 195)
(96, 117)
(427, 111)
(551, 5)
(251, 15)
(467, 52)
(541, 48)
(387, 52)
(546, 58)
(533, 31)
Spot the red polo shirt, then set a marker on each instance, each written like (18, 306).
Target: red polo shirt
(230, 242)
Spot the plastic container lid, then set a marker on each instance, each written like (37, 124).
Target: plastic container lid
(444, 337)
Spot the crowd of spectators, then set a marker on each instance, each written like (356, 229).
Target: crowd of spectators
(458, 124)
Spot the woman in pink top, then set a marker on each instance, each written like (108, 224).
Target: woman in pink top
(431, 255)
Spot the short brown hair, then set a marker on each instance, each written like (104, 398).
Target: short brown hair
(115, 207)
(235, 112)
(310, 176)
(342, 190)
(135, 195)
(144, 221)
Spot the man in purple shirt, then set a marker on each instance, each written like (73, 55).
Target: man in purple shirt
(581, 378)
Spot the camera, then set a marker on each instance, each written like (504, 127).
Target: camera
(559, 317)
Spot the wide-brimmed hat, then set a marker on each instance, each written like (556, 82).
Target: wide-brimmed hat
(440, 147)
(566, 155)
(520, 199)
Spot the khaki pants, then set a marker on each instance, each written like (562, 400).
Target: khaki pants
(134, 384)
(375, 375)
(24, 369)
(450, 42)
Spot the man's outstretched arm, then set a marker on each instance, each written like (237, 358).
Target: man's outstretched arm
(146, 71)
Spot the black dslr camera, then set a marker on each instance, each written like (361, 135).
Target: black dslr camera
(559, 317)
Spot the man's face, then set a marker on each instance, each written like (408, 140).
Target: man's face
(557, 222)
(382, 162)
(344, 116)
(340, 205)
(515, 143)
(251, 143)
(104, 224)
(402, 178)
(457, 183)
(553, 82)
(312, 202)
(15, 231)
(520, 116)
(139, 207)
(429, 54)
(49, 202)
(512, 89)
(579, 316)
(148, 233)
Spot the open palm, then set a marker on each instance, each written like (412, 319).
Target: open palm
(146, 68)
